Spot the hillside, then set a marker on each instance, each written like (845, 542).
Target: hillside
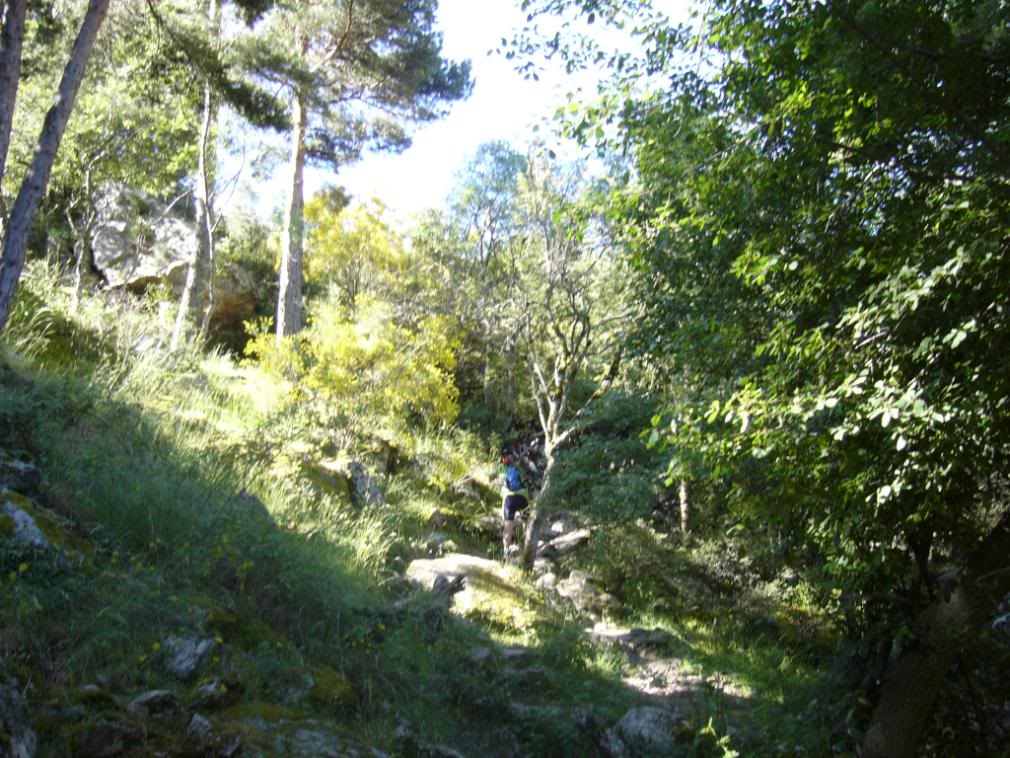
(181, 579)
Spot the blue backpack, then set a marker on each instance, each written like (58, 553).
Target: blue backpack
(512, 479)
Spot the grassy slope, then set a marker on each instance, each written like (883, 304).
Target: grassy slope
(187, 494)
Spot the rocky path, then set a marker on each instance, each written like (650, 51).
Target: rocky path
(674, 699)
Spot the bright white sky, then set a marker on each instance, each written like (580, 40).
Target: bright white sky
(503, 106)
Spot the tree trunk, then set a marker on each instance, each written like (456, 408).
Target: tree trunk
(289, 297)
(11, 40)
(36, 179)
(194, 299)
(684, 511)
(913, 680)
(537, 514)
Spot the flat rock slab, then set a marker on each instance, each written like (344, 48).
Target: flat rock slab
(452, 571)
(478, 588)
(635, 641)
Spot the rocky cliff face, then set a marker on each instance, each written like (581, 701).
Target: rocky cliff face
(138, 241)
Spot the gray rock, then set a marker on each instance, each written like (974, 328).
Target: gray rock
(308, 743)
(578, 588)
(138, 240)
(644, 731)
(19, 476)
(546, 582)
(448, 572)
(635, 641)
(25, 531)
(183, 655)
(199, 728)
(543, 566)
(15, 723)
(215, 694)
(153, 702)
(564, 544)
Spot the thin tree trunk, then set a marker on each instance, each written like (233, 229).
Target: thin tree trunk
(11, 41)
(684, 511)
(34, 184)
(537, 514)
(289, 296)
(84, 274)
(912, 681)
(194, 299)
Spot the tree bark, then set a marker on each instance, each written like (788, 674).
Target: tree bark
(289, 296)
(684, 509)
(199, 271)
(11, 41)
(34, 184)
(913, 679)
(537, 514)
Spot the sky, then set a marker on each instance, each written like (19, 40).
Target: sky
(503, 106)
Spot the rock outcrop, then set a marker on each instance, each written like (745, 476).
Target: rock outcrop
(139, 240)
(643, 733)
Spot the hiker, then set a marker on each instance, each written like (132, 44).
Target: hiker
(514, 499)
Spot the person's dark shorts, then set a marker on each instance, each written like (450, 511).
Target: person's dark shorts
(512, 505)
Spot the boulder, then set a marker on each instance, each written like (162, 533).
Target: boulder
(138, 240)
(19, 476)
(183, 655)
(18, 526)
(644, 732)
(153, 702)
(635, 641)
(578, 588)
(15, 723)
(449, 572)
(564, 544)
(199, 728)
